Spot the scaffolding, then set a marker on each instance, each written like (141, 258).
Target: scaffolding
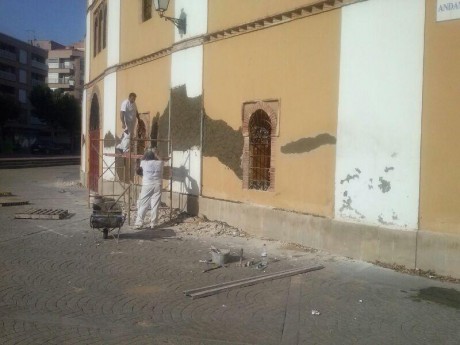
(116, 178)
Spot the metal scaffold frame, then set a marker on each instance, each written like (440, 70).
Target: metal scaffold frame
(125, 184)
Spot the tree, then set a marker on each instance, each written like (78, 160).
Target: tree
(43, 101)
(9, 110)
(69, 111)
(57, 109)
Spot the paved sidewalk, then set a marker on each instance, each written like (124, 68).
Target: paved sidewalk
(60, 283)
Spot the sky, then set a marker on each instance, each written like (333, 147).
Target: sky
(62, 21)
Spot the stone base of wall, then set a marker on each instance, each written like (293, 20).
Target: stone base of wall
(413, 249)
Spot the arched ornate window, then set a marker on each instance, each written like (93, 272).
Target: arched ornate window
(260, 130)
(259, 151)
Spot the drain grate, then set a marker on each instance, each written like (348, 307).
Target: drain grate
(42, 213)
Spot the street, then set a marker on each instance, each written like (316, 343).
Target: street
(61, 283)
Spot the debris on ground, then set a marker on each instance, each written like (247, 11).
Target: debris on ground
(199, 225)
(418, 272)
(315, 312)
(297, 247)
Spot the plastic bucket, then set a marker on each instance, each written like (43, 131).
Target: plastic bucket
(220, 258)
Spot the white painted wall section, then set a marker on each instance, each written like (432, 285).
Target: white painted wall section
(186, 164)
(113, 32)
(83, 126)
(109, 122)
(379, 115)
(196, 13)
(187, 69)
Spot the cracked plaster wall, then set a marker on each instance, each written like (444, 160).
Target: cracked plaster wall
(186, 104)
(379, 123)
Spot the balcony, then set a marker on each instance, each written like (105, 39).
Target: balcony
(8, 76)
(60, 83)
(7, 55)
(61, 67)
(39, 65)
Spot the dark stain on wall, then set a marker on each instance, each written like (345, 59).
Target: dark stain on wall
(347, 205)
(384, 185)
(308, 144)
(219, 139)
(349, 178)
(109, 140)
(223, 142)
(185, 119)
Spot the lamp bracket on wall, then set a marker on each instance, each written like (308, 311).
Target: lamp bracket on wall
(180, 23)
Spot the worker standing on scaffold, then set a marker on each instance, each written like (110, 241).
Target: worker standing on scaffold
(128, 116)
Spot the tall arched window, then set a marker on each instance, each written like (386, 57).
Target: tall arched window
(99, 33)
(259, 150)
(96, 30)
(104, 29)
(146, 10)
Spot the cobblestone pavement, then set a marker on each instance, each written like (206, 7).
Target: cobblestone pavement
(60, 283)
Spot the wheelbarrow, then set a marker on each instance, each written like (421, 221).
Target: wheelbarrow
(106, 217)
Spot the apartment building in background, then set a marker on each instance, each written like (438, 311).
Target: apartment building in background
(65, 66)
(22, 66)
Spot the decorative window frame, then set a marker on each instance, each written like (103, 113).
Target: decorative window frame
(99, 31)
(271, 108)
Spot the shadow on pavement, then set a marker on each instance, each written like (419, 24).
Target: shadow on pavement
(149, 234)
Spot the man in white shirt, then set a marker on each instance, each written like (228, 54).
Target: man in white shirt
(152, 177)
(129, 114)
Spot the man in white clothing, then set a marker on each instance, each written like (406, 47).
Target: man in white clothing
(129, 114)
(151, 167)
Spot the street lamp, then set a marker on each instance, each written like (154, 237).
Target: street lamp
(181, 23)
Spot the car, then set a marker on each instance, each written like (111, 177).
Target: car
(45, 147)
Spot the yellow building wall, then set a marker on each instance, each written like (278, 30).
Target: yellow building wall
(228, 13)
(298, 64)
(440, 161)
(150, 82)
(140, 38)
(98, 63)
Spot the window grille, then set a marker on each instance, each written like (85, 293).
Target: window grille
(259, 151)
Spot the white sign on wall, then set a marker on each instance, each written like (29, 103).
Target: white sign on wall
(447, 10)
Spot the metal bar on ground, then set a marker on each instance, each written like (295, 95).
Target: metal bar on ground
(213, 289)
(187, 292)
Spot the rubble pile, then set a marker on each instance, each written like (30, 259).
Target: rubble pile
(199, 225)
